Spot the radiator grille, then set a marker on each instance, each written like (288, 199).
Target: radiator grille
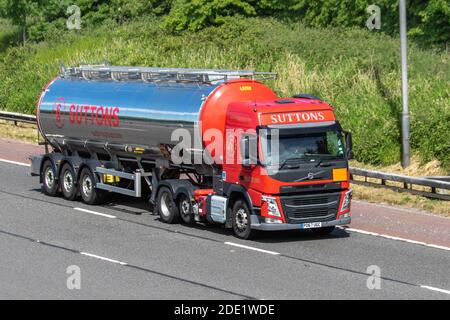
(310, 208)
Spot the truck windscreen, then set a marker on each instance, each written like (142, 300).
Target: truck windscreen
(304, 145)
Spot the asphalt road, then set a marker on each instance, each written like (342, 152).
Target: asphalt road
(122, 251)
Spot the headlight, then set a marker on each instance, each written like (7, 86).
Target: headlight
(346, 201)
(271, 220)
(272, 206)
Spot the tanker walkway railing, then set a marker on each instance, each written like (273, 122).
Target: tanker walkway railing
(431, 187)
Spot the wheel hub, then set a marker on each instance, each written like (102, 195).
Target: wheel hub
(49, 178)
(241, 219)
(87, 185)
(185, 207)
(68, 181)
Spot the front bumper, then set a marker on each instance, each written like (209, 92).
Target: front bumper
(258, 225)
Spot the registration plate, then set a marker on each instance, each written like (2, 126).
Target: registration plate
(311, 225)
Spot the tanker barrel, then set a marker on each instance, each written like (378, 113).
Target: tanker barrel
(134, 111)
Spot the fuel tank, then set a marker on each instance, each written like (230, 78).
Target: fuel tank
(135, 117)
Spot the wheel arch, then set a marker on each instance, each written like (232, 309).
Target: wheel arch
(236, 192)
(178, 188)
(63, 162)
(91, 165)
(55, 159)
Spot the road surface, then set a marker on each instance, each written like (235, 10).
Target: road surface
(122, 251)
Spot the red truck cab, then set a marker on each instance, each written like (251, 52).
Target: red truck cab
(303, 185)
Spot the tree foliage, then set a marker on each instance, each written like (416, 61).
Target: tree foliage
(41, 18)
(428, 21)
(19, 12)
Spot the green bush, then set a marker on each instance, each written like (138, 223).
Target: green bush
(429, 21)
(356, 70)
(44, 19)
(8, 35)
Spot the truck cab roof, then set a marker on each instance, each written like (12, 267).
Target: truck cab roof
(290, 104)
(280, 112)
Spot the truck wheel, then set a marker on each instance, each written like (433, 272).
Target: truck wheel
(185, 209)
(241, 221)
(323, 231)
(167, 208)
(49, 181)
(89, 193)
(68, 182)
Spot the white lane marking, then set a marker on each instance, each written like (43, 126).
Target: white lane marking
(435, 246)
(251, 248)
(438, 247)
(436, 289)
(103, 258)
(95, 213)
(16, 163)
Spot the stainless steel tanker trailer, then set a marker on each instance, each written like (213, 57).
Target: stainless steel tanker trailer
(111, 130)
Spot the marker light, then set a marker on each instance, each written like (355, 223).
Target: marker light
(340, 174)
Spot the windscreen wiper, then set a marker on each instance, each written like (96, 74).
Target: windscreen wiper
(320, 155)
(320, 163)
(289, 160)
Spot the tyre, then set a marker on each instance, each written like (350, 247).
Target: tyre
(49, 181)
(185, 209)
(68, 182)
(89, 193)
(323, 231)
(241, 221)
(166, 206)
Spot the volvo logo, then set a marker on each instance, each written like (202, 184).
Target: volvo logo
(310, 176)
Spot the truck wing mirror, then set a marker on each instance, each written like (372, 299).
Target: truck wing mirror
(349, 145)
(249, 150)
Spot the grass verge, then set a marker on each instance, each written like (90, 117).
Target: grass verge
(401, 199)
(21, 132)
